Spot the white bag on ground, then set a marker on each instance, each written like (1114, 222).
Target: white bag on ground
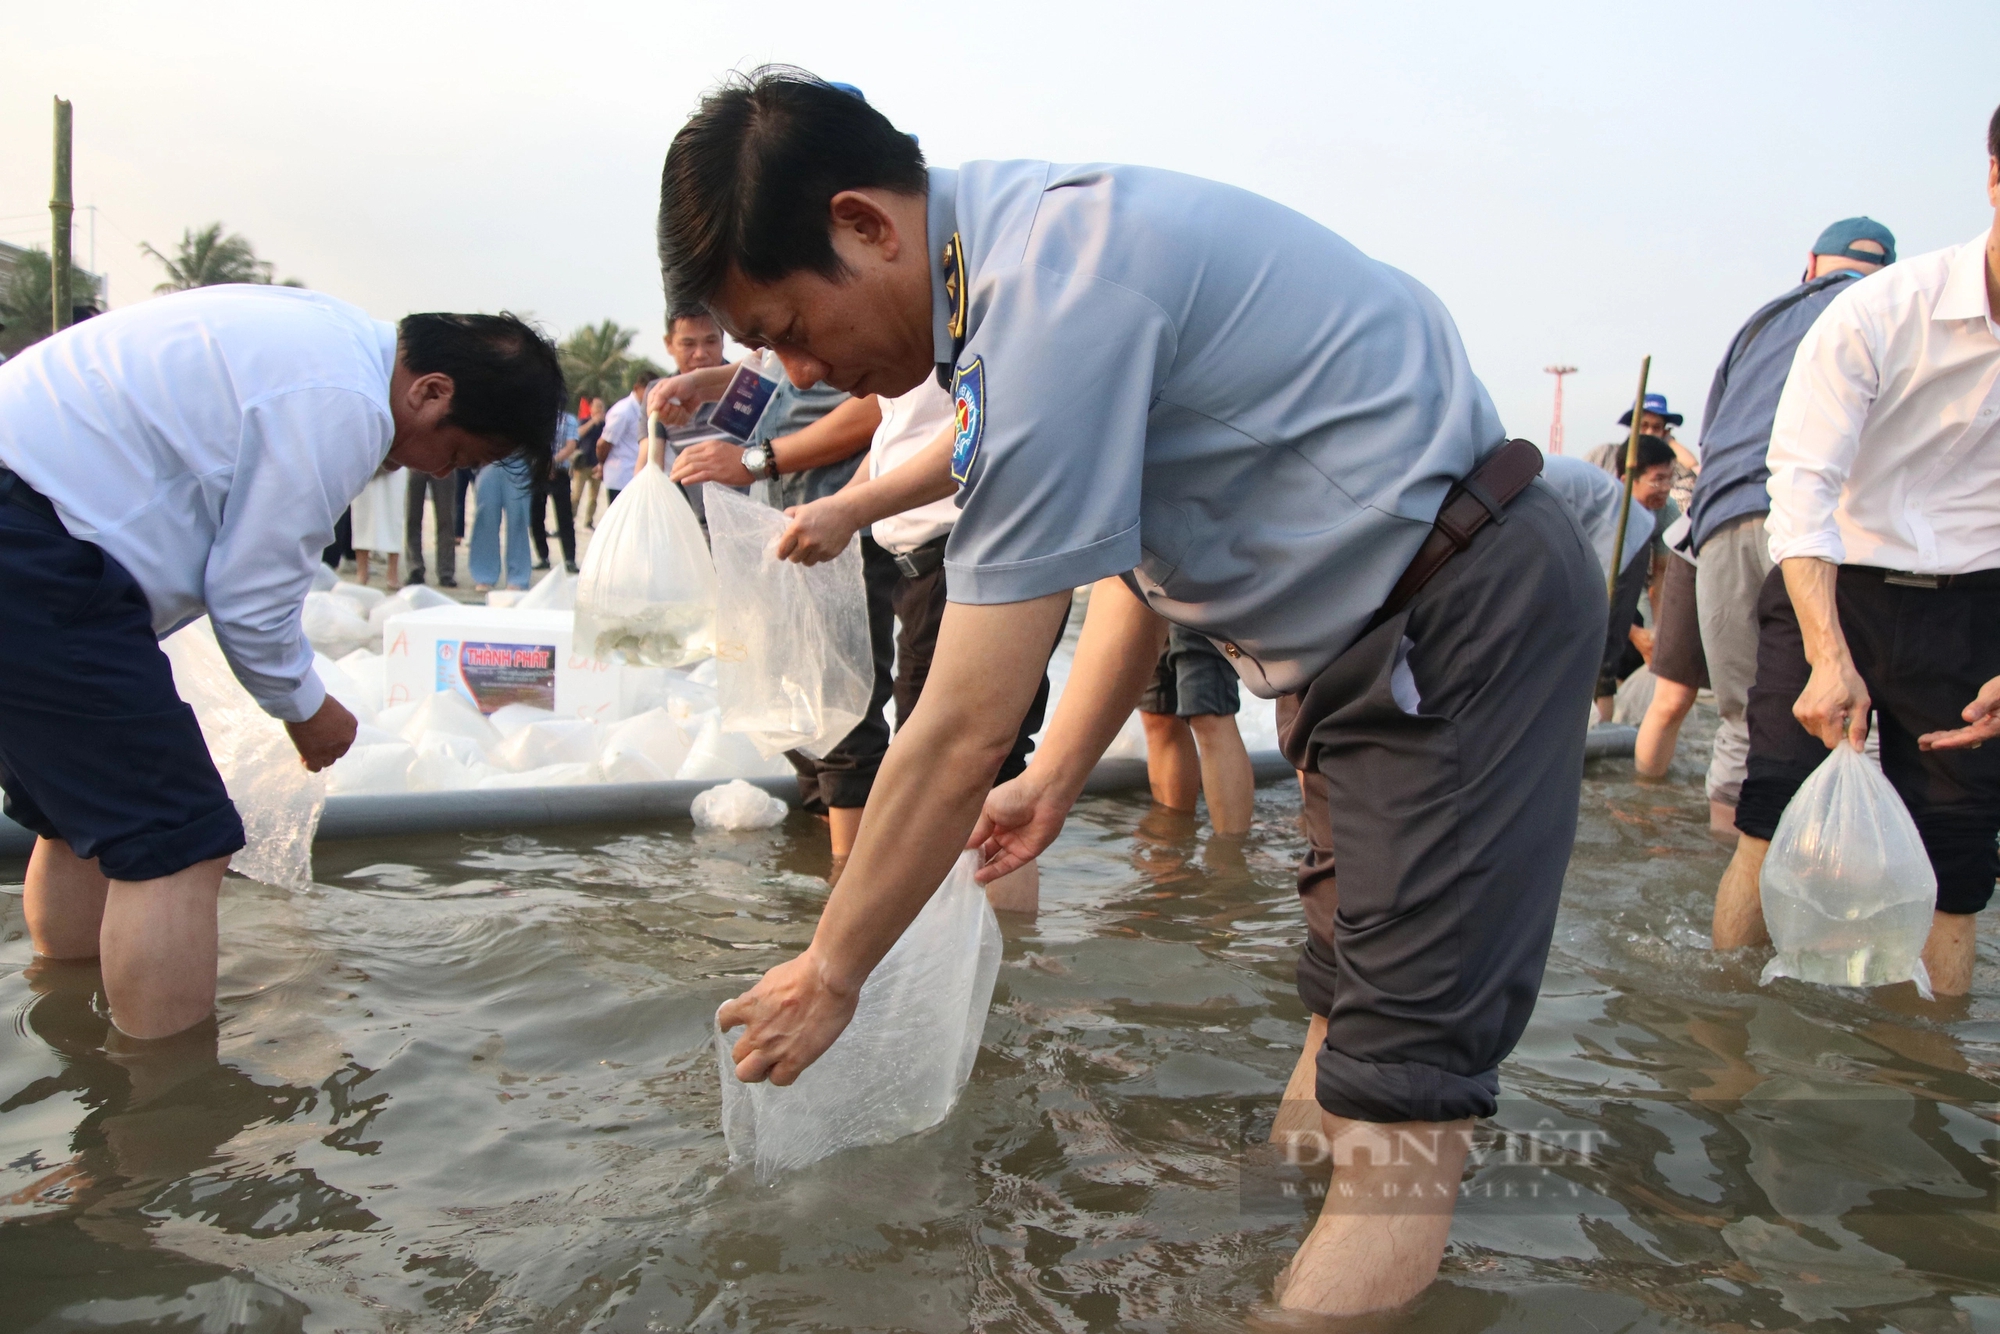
(736, 805)
(556, 592)
(647, 587)
(1847, 888)
(794, 667)
(416, 597)
(279, 802)
(335, 625)
(654, 737)
(716, 754)
(903, 1059)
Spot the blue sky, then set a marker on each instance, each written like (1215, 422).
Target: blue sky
(1583, 183)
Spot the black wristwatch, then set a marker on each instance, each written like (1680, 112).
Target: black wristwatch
(761, 462)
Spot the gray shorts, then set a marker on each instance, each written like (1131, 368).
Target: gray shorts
(1191, 679)
(1453, 820)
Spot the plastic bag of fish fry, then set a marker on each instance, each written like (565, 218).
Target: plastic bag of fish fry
(1847, 887)
(647, 587)
(902, 1061)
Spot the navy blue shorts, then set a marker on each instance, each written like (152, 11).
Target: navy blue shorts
(96, 748)
(1191, 679)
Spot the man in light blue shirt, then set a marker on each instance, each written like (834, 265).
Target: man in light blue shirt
(1224, 416)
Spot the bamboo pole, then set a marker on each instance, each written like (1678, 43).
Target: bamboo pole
(62, 293)
(1631, 477)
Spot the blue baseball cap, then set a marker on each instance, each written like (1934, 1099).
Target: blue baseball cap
(1839, 240)
(1657, 405)
(847, 88)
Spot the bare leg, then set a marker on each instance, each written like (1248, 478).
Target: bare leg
(1299, 1113)
(395, 558)
(1384, 1226)
(63, 901)
(1020, 890)
(1605, 706)
(843, 822)
(1226, 777)
(1948, 953)
(1660, 730)
(361, 567)
(158, 945)
(1722, 822)
(1173, 766)
(1739, 912)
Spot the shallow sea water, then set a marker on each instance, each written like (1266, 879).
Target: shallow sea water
(466, 1083)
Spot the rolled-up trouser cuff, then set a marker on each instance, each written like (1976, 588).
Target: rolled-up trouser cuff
(1763, 798)
(1406, 1091)
(150, 856)
(1317, 975)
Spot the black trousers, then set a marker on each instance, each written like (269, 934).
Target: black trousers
(1923, 653)
(555, 489)
(1453, 817)
(920, 604)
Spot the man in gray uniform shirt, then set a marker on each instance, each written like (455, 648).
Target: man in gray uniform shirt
(1221, 415)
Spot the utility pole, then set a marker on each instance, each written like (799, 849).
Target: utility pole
(1556, 426)
(62, 295)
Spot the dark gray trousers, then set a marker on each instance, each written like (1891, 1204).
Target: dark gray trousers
(444, 500)
(1453, 822)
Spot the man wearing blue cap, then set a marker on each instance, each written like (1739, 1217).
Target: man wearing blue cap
(1885, 607)
(1732, 559)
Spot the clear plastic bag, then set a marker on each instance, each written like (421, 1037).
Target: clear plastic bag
(794, 666)
(335, 625)
(279, 802)
(903, 1059)
(736, 805)
(1847, 888)
(556, 592)
(647, 587)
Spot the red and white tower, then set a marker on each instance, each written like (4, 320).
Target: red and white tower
(1556, 425)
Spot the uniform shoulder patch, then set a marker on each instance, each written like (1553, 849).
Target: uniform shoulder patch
(968, 401)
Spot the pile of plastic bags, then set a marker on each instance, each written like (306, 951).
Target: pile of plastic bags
(647, 587)
(1847, 888)
(903, 1059)
(795, 668)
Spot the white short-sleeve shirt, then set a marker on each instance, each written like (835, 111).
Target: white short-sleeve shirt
(910, 422)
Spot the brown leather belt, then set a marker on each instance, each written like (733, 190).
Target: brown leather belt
(1467, 507)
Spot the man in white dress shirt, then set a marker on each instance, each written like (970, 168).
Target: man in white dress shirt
(624, 427)
(182, 456)
(1885, 461)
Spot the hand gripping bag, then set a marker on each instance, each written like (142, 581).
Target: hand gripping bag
(903, 1059)
(1847, 888)
(279, 802)
(794, 667)
(647, 587)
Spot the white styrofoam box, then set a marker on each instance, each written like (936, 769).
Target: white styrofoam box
(496, 657)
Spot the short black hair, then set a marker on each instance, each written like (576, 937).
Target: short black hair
(506, 384)
(749, 177)
(644, 375)
(679, 313)
(1653, 451)
(1993, 135)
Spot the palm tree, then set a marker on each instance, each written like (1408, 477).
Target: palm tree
(597, 361)
(207, 257)
(25, 299)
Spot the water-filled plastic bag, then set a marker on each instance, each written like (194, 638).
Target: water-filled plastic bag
(1847, 888)
(794, 667)
(736, 805)
(647, 587)
(903, 1059)
(279, 802)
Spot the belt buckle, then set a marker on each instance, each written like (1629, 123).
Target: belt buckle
(1909, 579)
(908, 566)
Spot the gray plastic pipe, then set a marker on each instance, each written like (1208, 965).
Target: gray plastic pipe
(469, 810)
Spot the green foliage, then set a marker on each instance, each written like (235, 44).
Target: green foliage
(25, 299)
(597, 361)
(208, 257)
